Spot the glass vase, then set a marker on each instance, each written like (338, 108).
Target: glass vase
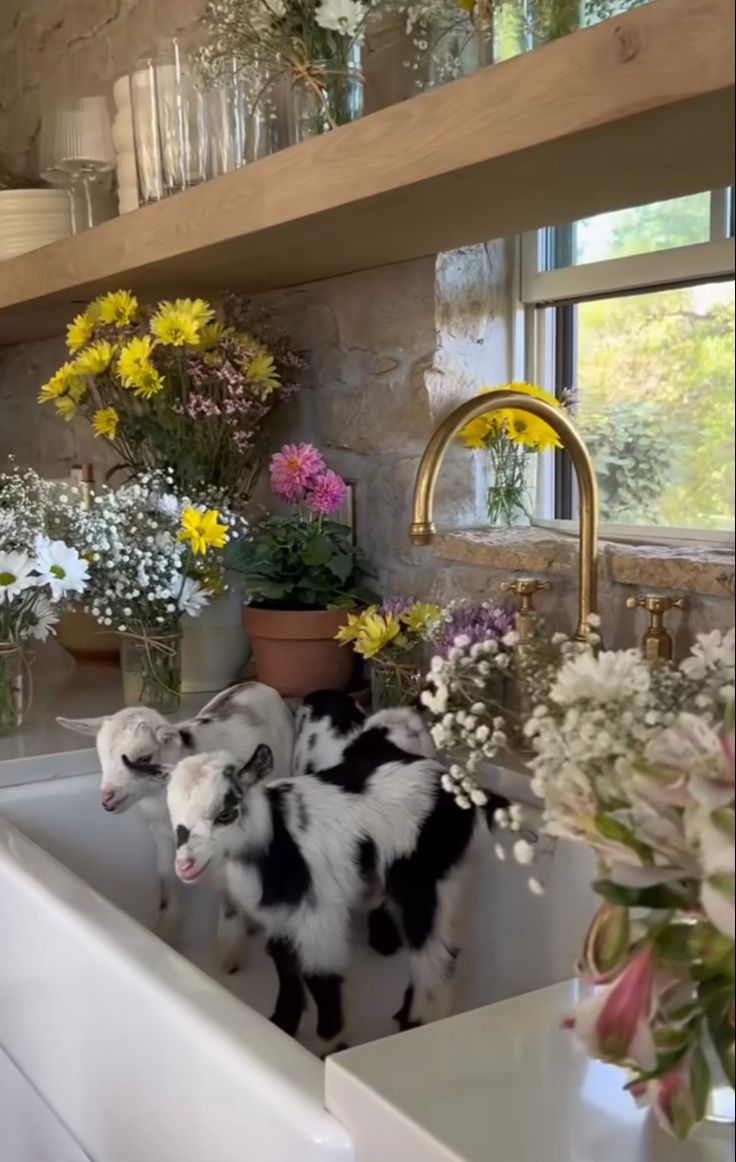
(182, 119)
(11, 687)
(394, 683)
(151, 668)
(326, 94)
(510, 497)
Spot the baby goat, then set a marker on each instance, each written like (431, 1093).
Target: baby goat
(137, 750)
(301, 854)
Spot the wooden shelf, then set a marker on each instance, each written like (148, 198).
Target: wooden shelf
(638, 109)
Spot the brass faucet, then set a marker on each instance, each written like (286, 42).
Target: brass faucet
(524, 588)
(423, 528)
(656, 644)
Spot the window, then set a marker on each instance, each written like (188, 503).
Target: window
(632, 312)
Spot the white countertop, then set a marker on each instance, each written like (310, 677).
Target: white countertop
(501, 1084)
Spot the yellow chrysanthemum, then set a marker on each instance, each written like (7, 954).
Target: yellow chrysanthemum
(65, 406)
(377, 632)
(134, 355)
(202, 530)
(180, 323)
(262, 373)
(210, 335)
(95, 359)
(77, 390)
(105, 422)
(353, 627)
(80, 331)
(148, 382)
(520, 427)
(421, 617)
(62, 382)
(119, 308)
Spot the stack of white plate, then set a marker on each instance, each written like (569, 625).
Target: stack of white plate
(32, 218)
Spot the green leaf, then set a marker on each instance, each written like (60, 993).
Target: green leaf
(699, 1081)
(618, 832)
(682, 894)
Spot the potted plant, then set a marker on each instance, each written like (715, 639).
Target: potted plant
(186, 388)
(303, 575)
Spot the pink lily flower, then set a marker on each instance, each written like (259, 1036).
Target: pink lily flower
(679, 1096)
(614, 1024)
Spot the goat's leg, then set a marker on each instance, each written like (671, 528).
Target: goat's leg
(291, 998)
(168, 919)
(383, 933)
(231, 936)
(429, 912)
(324, 951)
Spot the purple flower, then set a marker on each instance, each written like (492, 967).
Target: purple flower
(327, 493)
(479, 623)
(395, 606)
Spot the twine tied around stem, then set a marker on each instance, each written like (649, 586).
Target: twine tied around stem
(161, 645)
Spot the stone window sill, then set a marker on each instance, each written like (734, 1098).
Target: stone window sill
(687, 569)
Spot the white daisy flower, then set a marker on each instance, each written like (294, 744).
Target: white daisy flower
(342, 16)
(16, 574)
(45, 618)
(193, 596)
(61, 568)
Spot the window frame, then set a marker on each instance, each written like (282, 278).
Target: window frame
(547, 298)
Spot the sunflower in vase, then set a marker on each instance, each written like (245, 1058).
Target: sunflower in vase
(512, 438)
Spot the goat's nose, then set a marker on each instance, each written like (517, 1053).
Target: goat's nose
(184, 863)
(107, 797)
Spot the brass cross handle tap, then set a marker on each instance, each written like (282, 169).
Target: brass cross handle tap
(656, 644)
(524, 588)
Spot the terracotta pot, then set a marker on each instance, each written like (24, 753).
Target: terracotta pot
(80, 635)
(295, 650)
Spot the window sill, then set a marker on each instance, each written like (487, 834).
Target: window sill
(679, 569)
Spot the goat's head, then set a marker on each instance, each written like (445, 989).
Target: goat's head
(137, 749)
(207, 799)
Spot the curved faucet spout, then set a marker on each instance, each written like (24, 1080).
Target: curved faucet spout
(423, 528)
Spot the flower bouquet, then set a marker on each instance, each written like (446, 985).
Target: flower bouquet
(177, 387)
(37, 575)
(153, 555)
(393, 637)
(511, 438)
(301, 573)
(313, 45)
(638, 764)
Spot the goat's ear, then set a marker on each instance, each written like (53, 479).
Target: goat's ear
(165, 735)
(81, 725)
(259, 766)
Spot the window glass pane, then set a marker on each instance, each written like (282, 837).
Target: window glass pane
(638, 230)
(655, 403)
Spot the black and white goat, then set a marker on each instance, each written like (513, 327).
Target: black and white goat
(300, 855)
(138, 748)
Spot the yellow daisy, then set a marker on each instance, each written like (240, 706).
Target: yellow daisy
(105, 422)
(520, 427)
(65, 406)
(118, 307)
(202, 530)
(262, 373)
(421, 617)
(134, 356)
(148, 382)
(80, 331)
(353, 627)
(210, 335)
(377, 633)
(95, 359)
(61, 383)
(180, 323)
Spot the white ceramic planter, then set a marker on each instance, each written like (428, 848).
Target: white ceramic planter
(214, 646)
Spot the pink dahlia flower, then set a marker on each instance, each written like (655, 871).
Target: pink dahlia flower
(327, 493)
(294, 470)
